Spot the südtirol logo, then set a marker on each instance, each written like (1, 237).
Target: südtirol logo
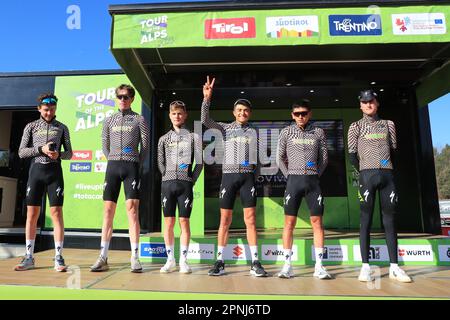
(153, 29)
(294, 26)
(230, 28)
(94, 107)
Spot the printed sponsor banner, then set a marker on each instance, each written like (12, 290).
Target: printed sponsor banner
(154, 28)
(332, 253)
(237, 252)
(276, 252)
(82, 155)
(444, 253)
(355, 25)
(201, 251)
(99, 156)
(293, 26)
(376, 253)
(230, 28)
(100, 166)
(415, 253)
(80, 167)
(152, 250)
(419, 24)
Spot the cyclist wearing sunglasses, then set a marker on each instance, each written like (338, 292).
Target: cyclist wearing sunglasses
(42, 141)
(239, 172)
(372, 143)
(177, 150)
(302, 157)
(123, 133)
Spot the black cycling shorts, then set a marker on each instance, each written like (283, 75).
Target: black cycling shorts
(299, 186)
(175, 192)
(45, 176)
(116, 172)
(234, 182)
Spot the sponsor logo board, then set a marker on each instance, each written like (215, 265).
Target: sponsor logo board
(292, 26)
(276, 252)
(332, 253)
(355, 25)
(418, 24)
(233, 28)
(80, 167)
(153, 250)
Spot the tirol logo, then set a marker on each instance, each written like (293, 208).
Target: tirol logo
(80, 167)
(154, 28)
(355, 25)
(415, 253)
(295, 26)
(237, 251)
(419, 23)
(230, 28)
(82, 155)
(153, 250)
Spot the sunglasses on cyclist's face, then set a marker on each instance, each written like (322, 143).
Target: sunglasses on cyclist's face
(122, 97)
(300, 113)
(48, 101)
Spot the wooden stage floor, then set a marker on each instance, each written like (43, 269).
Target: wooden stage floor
(428, 281)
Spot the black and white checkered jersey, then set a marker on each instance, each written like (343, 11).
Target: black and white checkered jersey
(122, 134)
(38, 133)
(302, 151)
(176, 154)
(240, 151)
(372, 139)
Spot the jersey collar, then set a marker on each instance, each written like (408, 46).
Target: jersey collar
(371, 119)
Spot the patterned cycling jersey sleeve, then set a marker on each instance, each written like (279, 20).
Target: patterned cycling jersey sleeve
(67, 153)
(105, 137)
(392, 135)
(207, 121)
(322, 160)
(353, 133)
(26, 148)
(145, 136)
(281, 152)
(161, 156)
(198, 157)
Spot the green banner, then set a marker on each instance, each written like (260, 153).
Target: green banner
(83, 104)
(372, 24)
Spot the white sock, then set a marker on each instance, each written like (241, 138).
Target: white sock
(254, 252)
(394, 265)
(220, 252)
(183, 253)
(29, 247)
(319, 256)
(104, 246)
(169, 251)
(134, 249)
(366, 266)
(58, 248)
(287, 256)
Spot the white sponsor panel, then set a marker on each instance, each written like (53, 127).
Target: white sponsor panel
(99, 155)
(276, 252)
(237, 252)
(332, 253)
(419, 23)
(444, 253)
(415, 253)
(201, 251)
(100, 166)
(376, 253)
(292, 26)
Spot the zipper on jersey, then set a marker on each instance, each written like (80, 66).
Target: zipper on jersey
(121, 137)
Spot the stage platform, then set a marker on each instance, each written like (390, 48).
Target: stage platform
(428, 281)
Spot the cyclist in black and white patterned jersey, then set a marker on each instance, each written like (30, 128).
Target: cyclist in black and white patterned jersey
(177, 150)
(302, 157)
(123, 133)
(371, 145)
(43, 140)
(239, 171)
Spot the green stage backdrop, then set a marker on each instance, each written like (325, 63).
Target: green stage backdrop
(83, 104)
(371, 24)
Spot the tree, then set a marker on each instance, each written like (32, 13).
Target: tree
(442, 164)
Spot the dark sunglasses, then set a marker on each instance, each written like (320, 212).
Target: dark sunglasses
(124, 97)
(300, 113)
(50, 101)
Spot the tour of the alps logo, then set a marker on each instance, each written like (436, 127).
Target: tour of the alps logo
(292, 27)
(355, 25)
(419, 24)
(232, 28)
(154, 28)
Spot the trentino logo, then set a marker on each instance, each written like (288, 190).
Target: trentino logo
(80, 167)
(153, 250)
(355, 25)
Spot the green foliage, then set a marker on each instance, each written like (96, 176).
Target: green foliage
(442, 164)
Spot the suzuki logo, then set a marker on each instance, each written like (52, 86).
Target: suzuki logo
(237, 251)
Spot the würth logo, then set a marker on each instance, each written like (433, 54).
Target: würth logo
(401, 252)
(230, 28)
(237, 251)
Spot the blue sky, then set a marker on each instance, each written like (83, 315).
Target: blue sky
(37, 39)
